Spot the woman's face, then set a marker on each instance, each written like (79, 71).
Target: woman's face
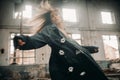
(56, 18)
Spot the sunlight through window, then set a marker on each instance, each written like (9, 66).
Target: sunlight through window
(111, 46)
(107, 18)
(76, 37)
(27, 13)
(69, 15)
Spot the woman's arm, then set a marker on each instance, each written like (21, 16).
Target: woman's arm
(29, 42)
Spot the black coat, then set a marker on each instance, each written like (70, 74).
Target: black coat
(68, 60)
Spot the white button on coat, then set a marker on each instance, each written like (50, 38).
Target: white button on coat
(61, 52)
(82, 73)
(70, 69)
(62, 40)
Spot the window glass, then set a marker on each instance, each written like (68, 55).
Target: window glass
(107, 18)
(69, 15)
(22, 57)
(111, 46)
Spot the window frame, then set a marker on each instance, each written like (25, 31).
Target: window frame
(112, 17)
(110, 36)
(79, 41)
(20, 55)
(68, 20)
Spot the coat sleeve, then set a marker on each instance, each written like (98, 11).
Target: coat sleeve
(91, 49)
(31, 42)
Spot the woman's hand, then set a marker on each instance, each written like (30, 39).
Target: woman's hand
(20, 42)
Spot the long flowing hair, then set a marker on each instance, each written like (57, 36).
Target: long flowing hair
(44, 17)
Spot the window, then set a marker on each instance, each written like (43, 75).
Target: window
(76, 37)
(69, 15)
(22, 57)
(111, 46)
(27, 13)
(107, 18)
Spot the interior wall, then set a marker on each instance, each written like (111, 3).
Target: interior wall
(89, 25)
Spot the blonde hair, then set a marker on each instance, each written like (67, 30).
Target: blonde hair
(39, 20)
(43, 17)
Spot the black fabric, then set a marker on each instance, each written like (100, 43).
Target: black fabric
(91, 49)
(65, 53)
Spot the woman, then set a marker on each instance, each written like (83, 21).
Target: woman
(68, 60)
